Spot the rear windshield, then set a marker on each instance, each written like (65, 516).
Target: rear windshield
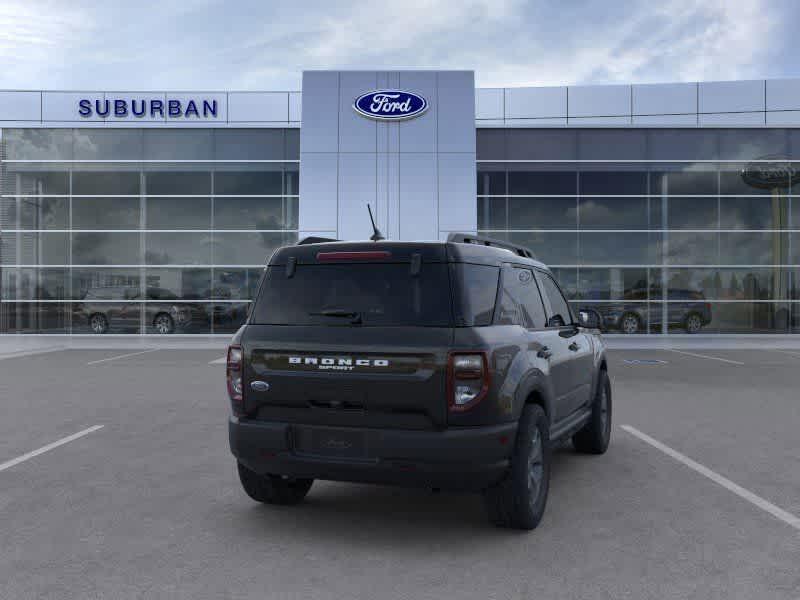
(355, 295)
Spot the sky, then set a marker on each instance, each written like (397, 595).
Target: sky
(206, 45)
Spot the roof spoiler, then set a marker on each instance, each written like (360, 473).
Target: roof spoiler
(479, 240)
(312, 239)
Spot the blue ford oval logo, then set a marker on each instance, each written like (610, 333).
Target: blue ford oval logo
(390, 105)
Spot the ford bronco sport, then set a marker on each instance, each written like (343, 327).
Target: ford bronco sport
(454, 365)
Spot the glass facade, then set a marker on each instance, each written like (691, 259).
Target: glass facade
(659, 230)
(131, 230)
(140, 230)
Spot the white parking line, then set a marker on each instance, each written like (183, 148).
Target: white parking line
(797, 354)
(219, 361)
(30, 352)
(729, 485)
(726, 360)
(94, 362)
(43, 449)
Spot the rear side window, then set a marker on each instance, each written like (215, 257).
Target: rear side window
(477, 286)
(558, 305)
(520, 301)
(355, 295)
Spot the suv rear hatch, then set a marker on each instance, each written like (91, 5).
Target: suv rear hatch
(351, 335)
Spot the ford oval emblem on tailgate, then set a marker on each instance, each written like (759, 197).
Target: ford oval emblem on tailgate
(259, 386)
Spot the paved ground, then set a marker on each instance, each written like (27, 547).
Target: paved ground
(149, 506)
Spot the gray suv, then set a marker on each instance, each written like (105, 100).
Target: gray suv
(455, 365)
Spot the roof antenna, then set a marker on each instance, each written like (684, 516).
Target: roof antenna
(377, 235)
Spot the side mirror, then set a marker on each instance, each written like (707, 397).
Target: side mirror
(590, 318)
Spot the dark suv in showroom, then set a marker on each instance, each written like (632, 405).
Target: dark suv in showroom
(101, 314)
(455, 365)
(687, 310)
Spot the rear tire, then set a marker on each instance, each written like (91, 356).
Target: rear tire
(520, 499)
(596, 434)
(693, 323)
(630, 323)
(273, 489)
(98, 324)
(164, 324)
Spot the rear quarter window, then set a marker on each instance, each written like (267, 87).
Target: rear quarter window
(477, 292)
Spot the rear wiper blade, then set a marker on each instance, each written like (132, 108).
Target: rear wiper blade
(338, 312)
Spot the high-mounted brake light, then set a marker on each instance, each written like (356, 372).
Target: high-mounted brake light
(233, 375)
(468, 379)
(364, 255)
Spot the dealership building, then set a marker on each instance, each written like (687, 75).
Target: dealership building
(670, 208)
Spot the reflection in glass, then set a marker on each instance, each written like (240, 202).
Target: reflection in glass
(178, 144)
(692, 248)
(619, 248)
(177, 183)
(41, 248)
(171, 284)
(753, 248)
(698, 210)
(493, 213)
(621, 317)
(41, 212)
(235, 284)
(228, 317)
(542, 183)
(255, 213)
(613, 283)
(704, 282)
(552, 248)
(99, 183)
(249, 144)
(751, 317)
(32, 317)
(93, 315)
(38, 144)
(239, 183)
(34, 284)
(178, 213)
(106, 283)
(105, 144)
(613, 213)
(542, 213)
(731, 284)
(105, 213)
(567, 278)
(104, 248)
(491, 182)
(32, 182)
(178, 248)
(248, 248)
(176, 317)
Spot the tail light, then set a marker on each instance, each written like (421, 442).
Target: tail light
(467, 379)
(233, 373)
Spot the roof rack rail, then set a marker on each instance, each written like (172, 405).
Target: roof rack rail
(468, 238)
(313, 239)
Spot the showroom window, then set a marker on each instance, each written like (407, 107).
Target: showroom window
(106, 230)
(660, 230)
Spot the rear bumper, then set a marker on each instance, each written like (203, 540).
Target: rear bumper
(467, 458)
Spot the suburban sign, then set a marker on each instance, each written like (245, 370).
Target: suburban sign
(390, 105)
(148, 107)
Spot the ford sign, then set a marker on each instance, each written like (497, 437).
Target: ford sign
(779, 172)
(390, 105)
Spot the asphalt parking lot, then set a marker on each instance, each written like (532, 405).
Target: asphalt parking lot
(698, 497)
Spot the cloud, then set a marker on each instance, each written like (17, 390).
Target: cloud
(212, 44)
